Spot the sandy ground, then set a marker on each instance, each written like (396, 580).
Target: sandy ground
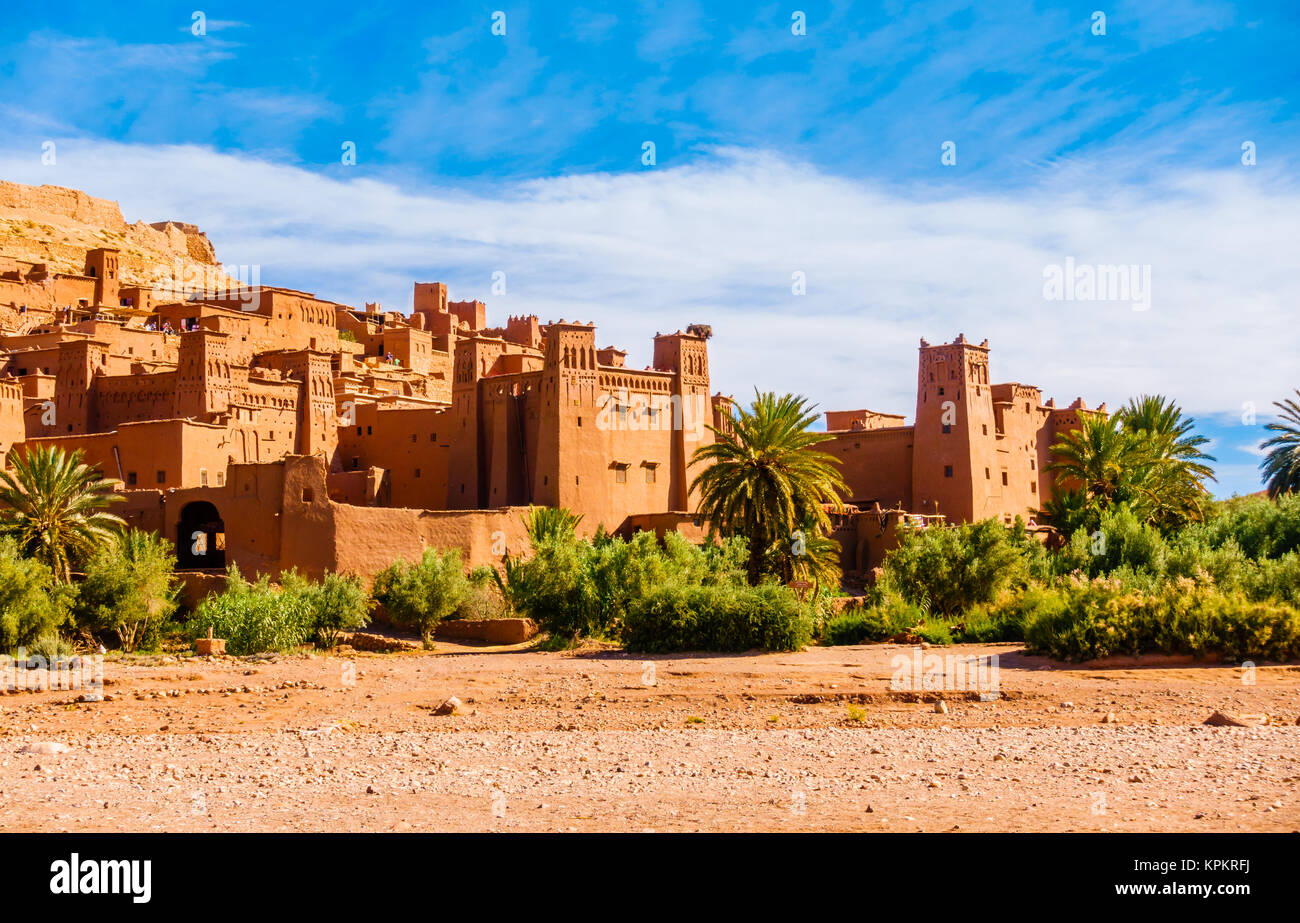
(603, 740)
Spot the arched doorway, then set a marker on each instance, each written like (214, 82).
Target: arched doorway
(200, 537)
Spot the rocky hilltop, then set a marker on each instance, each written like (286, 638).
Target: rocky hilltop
(56, 226)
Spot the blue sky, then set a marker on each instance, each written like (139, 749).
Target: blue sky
(775, 153)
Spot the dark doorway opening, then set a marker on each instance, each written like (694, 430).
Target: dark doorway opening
(200, 537)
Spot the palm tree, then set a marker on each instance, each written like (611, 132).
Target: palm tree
(1067, 512)
(548, 522)
(1164, 422)
(1168, 486)
(1281, 465)
(1095, 458)
(1146, 456)
(763, 475)
(56, 507)
(810, 555)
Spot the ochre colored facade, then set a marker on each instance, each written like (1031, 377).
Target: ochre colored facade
(270, 428)
(975, 451)
(273, 429)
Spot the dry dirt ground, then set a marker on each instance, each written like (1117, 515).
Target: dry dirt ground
(601, 740)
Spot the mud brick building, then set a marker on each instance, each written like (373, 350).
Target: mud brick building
(294, 431)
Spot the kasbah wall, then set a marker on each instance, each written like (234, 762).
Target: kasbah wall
(269, 428)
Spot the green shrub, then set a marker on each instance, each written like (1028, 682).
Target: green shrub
(575, 588)
(989, 624)
(1274, 578)
(888, 617)
(255, 617)
(1120, 540)
(1090, 619)
(719, 617)
(419, 596)
(556, 587)
(129, 590)
(51, 646)
(947, 569)
(934, 632)
(482, 601)
(32, 603)
(337, 604)
(1262, 528)
(1227, 565)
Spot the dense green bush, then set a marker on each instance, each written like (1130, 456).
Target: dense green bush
(255, 617)
(1120, 540)
(946, 570)
(482, 601)
(420, 595)
(32, 604)
(991, 624)
(129, 590)
(337, 604)
(52, 647)
(574, 588)
(726, 617)
(1274, 578)
(1262, 528)
(883, 617)
(1087, 619)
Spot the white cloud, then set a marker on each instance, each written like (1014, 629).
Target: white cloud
(717, 241)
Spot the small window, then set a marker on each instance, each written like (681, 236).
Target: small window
(203, 477)
(985, 427)
(162, 477)
(417, 472)
(1004, 479)
(412, 437)
(358, 431)
(579, 421)
(947, 471)
(650, 473)
(308, 495)
(941, 391)
(987, 476)
(131, 477)
(1033, 487)
(370, 430)
(947, 428)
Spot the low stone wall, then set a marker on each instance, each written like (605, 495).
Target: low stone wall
(493, 631)
(368, 641)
